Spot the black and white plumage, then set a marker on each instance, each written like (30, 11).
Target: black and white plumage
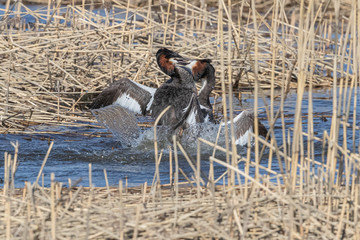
(127, 94)
(187, 107)
(200, 69)
(244, 123)
(179, 92)
(208, 84)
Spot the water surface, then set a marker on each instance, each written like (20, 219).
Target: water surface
(72, 152)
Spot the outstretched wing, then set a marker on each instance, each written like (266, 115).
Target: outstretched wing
(122, 123)
(244, 123)
(126, 93)
(168, 60)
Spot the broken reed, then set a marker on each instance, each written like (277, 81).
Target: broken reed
(55, 66)
(198, 207)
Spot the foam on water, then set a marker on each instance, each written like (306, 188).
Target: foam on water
(123, 125)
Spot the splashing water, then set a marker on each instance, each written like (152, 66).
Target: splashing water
(120, 122)
(123, 125)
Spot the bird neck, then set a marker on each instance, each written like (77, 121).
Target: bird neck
(208, 85)
(185, 83)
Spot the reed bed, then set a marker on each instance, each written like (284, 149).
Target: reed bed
(262, 208)
(56, 61)
(52, 68)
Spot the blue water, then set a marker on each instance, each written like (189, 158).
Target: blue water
(72, 152)
(117, 15)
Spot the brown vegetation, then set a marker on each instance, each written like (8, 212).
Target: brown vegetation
(50, 70)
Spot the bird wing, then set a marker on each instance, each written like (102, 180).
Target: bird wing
(244, 123)
(122, 123)
(126, 93)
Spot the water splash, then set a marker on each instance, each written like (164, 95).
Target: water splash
(123, 125)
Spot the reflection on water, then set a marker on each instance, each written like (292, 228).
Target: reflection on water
(72, 153)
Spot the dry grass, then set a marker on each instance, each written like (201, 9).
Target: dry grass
(50, 69)
(254, 209)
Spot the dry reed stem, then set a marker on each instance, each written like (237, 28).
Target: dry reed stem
(86, 59)
(51, 69)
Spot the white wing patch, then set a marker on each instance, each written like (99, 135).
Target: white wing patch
(238, 117)
(148, 89)
(242, 118)
(206, 119)
(129, 103)
(191, 119)
(243, 140)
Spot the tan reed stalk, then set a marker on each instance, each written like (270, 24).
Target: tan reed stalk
(357, 74)
(247, 168)
(186, 177)
(198, 166)
(144, 189)
(8, 85)
(301, 84)
(310, 35)
(111, 67)
(90, 175)
(48, 11)
(272, 85)
(176, 181)
(356, 208)
(175, 20)
(242, 159)
(7, 192)
(230, 93)
(186, 18)
(256, 129)
(334, 130)
(222, 79)
(70, 185)
(121, 223)
(14, 164)
(192, 23)
(126, 184)
(137, 217)
(170, 167)
(157, 161)
(166, 22)
(211, 167)
(320, 212)
(43, 164)
(346, 97)
(310, 124)
(107, 183)
(191, 162)
(53, 207)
